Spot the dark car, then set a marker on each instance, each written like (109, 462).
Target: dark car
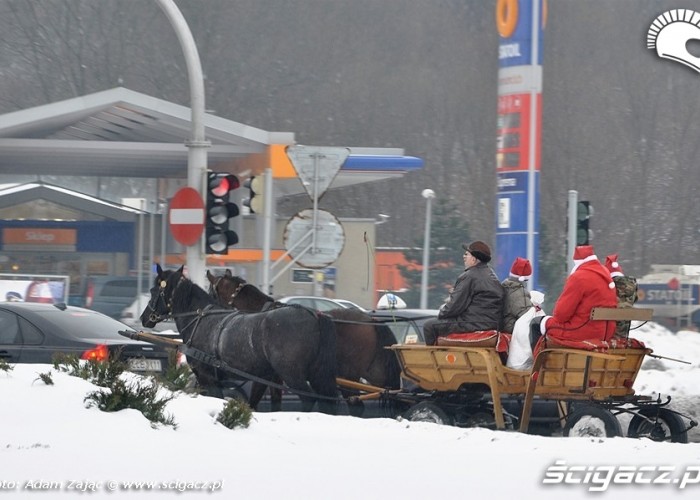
(34, 333)
(110, 294)
(407, 324)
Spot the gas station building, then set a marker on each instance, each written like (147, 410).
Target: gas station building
(47, 229)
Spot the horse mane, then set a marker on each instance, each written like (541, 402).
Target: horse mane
(186, 292)
(251, 298)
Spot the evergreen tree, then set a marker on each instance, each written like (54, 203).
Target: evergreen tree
(552, 267)
(447, 233)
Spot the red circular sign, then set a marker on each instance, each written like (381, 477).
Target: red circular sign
(186, 216)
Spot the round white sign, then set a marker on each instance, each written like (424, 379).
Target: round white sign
(314, 246)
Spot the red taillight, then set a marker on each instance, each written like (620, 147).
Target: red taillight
(99, 353)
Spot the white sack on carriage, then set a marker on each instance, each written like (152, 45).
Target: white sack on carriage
(520, 352)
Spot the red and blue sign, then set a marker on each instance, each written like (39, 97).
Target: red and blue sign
(518, 135)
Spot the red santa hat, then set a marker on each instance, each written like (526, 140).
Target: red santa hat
(613, 266)
(521, 269)
(584, 253)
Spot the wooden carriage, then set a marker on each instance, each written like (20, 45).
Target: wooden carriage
(601, 382)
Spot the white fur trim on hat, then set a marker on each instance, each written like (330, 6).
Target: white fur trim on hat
(520, 278)
(587, 259)
(543, 324)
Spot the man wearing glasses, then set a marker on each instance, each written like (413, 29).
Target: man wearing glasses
(476, 300)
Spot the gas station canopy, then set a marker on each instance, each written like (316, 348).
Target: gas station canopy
(122, 133)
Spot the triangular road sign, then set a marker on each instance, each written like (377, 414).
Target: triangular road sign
(317, 166)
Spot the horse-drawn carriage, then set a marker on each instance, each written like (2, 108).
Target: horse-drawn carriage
(575, 391)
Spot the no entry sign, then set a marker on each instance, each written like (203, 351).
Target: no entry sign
(186, 216)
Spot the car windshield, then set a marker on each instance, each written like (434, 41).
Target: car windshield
(84, 324)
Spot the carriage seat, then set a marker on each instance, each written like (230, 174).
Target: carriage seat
(484, 338)
(616, 342)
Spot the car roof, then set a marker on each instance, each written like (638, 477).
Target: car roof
(405, 313)
(286, 297)
(34, 306)
(60, 317)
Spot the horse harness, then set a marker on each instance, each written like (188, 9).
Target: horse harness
(198, 315)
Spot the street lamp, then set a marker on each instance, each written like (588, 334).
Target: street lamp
(428, 194)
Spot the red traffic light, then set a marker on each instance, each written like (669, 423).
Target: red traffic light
(220, 183)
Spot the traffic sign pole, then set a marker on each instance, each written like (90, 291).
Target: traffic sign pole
(316, 167)
(571, 240)
(267, 228)
(197, 145)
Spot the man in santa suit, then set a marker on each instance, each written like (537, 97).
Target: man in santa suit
(589, 285)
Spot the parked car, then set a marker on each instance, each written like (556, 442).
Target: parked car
(349, 304)
(32, 332)
(318, 303)
(110, 294)
(407, 324)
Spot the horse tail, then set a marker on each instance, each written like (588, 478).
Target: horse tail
(325, 365)
(392, 368)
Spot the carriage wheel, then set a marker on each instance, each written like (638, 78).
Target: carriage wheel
(427, 412)
(483, 419)
(592, 421)
(658, 424)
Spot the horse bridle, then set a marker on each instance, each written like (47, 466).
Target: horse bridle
(240, 286)
(155, 316)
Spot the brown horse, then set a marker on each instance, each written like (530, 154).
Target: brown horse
(360, 341)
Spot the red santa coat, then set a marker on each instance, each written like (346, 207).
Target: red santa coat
(586, 288)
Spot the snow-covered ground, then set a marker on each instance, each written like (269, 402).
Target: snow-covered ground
(50, 441)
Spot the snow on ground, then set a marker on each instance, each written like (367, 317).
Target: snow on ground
(52, 446)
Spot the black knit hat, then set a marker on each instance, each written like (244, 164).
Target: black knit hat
(478, 249)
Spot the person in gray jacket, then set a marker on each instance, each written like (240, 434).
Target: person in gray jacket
(517, 299)
(475, 302)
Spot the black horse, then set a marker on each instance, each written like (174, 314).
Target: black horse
(360, 341)
(293, 343)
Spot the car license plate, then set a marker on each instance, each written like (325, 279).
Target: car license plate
(144, 365)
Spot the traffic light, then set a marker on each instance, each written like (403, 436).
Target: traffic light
(584, 211)
(254, 201)
(219, 211)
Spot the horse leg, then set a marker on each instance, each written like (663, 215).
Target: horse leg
(258, 389)
(207, 380)
(307, 402)
(256, 393)
(276, 395)
(322, 374)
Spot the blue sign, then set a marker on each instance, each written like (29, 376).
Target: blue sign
(516, 49)
(512, 222)
(662, 294)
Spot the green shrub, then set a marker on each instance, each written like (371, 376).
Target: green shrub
(46, 378)
(102, 373)
(236, 413)
(176, 378)
(5, 366)
(137, 395)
